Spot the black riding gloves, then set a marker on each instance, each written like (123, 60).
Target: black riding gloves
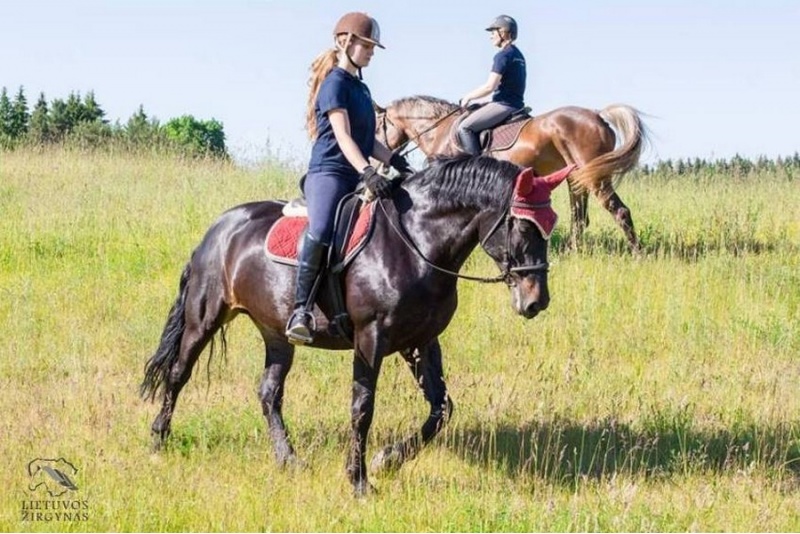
(399, 163)
(378, 185)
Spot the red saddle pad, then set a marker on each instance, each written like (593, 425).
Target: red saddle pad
(282, 238)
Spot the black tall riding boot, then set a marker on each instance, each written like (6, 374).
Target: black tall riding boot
(299, 329)
(470, 142)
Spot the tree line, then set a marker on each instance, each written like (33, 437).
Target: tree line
(81, 121)
(737, 165)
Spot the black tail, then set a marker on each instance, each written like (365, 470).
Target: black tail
(158, 366)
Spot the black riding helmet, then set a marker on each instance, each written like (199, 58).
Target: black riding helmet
(504, 22)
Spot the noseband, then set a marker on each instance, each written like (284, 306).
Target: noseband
(507, 219)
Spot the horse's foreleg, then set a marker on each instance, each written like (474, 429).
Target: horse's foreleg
(279, 358)
(365, 379)
(426, 366)
(580, 217)
(614, 205)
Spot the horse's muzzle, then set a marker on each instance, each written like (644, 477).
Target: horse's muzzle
(530, 296)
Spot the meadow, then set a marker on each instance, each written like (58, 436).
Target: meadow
(657, 393)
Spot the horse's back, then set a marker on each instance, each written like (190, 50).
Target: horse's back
(252, 217)
(580, 131)
(569, 117)
(234, 245)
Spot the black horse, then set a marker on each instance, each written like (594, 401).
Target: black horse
(400, 292)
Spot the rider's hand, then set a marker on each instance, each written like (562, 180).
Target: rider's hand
(399, 163)
(376, 183)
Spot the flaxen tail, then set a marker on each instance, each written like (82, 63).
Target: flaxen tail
(632, 135)
(158, 366)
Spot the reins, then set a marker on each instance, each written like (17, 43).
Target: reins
(504, 276)
(414, 139)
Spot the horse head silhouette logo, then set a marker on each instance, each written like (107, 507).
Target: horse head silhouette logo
(53, 475)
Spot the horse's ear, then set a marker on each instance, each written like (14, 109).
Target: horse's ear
(377, 108)
(525, 180)
(554, 180)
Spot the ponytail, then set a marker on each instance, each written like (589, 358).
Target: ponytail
(322, 65)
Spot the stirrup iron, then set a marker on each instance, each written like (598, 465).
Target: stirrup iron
(301, 328)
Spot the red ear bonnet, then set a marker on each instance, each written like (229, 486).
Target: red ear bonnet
(531, 198)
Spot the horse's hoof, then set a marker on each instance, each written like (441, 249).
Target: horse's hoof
(387, 460)
(293, 464)
(364, 489)
(159, 441)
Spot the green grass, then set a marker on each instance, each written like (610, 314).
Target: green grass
(655, 394)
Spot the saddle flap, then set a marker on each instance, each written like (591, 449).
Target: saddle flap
(353, 222)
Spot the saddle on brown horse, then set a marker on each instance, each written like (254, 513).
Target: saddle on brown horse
(499, 137)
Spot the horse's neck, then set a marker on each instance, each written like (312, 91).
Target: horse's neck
(446, 237)
(431, 134)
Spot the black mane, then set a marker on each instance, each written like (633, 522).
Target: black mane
(465, 181)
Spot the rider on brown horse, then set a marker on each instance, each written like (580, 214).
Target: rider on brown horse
(506, 83)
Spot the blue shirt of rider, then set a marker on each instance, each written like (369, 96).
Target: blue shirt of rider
(342, 90)
(509, 63)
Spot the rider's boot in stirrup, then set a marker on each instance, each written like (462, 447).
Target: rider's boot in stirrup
(469, 142)
(300, 328)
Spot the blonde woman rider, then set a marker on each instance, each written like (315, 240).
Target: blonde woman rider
(341, 121)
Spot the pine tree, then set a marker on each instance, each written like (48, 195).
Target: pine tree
(19, 116)
(6, 139)
(60, 122)
(91, 110)
(142, 131)
(40, 130)
(75, 110)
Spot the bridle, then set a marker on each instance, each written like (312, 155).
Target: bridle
(507, 270)
(385, 121)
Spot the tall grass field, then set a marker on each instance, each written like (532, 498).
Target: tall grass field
(657, 393)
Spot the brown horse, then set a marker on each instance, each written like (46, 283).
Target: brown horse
(400, 292)
(564, 136)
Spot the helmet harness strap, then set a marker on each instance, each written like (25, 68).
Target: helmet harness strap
(347, 54)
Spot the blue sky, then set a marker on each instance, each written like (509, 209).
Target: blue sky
(715, 78)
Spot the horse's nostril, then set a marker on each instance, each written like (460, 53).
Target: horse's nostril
(535, 307)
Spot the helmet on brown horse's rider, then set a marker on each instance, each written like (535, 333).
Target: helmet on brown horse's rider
(361, 25)
(504, 22)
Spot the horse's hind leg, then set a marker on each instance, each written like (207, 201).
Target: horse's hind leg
(426, 365)
(622, 215)
(279, 358)
(580, 217)
(204, 314)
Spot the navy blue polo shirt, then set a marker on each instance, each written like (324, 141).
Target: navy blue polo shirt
(509, 63)
(342, 90)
